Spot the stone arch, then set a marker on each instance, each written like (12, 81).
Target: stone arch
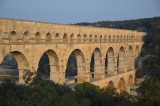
(110, 62)
(90, 38)
(130, 80)
(121, 63)
(22, 64)
(95, 38)
(78, 38)
(111, 84)
(96, 64)
(105, 38)
(72, 37)
(101, 38)
(53, 72)
(109, 38)
(81, 67)
(65, 37)
(118, 38)
(137, 51)
(122, 85)
(57, 37)
(26, 36)
(37, 37)
(13, 37)
(130, 60)
(48, 37)
(113, 38)
(84, 38)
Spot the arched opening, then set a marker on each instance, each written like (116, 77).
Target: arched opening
(13, 37)
(96, 38)
(65, 38)
(49, 66)
(15, 64)
(113, 39)
(84, 38)
(75, 68)
(109, 62)
(26, 36)
(96, 64)
(109, 39)
(130, 60)
(90, 38)
(121, 85)
(111, 84)
(136, 51)
(100, 38)
(78, 38)
(105, 38)
(118, 38)
(121, 63)
(57, 37)
(130, 80)
(72, 37)
(48, 37)
(37, 37)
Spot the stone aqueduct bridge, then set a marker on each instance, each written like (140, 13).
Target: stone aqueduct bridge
(27, 41)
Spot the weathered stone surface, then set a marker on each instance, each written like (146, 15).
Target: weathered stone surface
(27, 41)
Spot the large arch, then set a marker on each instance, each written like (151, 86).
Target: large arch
(110, 62)
(122, 85)
(81, 67)
(53, 69)
(121, 63)
(130, 59)
(22, 64)
(96, 64)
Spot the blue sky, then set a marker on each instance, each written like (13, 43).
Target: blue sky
(73, 11)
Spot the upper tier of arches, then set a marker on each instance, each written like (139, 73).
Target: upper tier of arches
(29, 31)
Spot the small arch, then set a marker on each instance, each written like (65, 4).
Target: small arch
(26, 36)
(122, 85)
(65, 38)
(109, 39)
(48, 37)
(72, 37)
(90, 38)
(111, 84)
(105, 38)
(85, 38)
(100, 38)
(37, 37)
(96, 37)
(13, 37)
(130, 80)
(78, 38)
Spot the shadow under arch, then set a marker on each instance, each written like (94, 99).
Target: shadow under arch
(20, 62)
(49, 65)
(122, 85)
(121, 60)
(130, 60)
(109, 62)
(75, 68)
(96, 64)
(130, 80)
(111, 84)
